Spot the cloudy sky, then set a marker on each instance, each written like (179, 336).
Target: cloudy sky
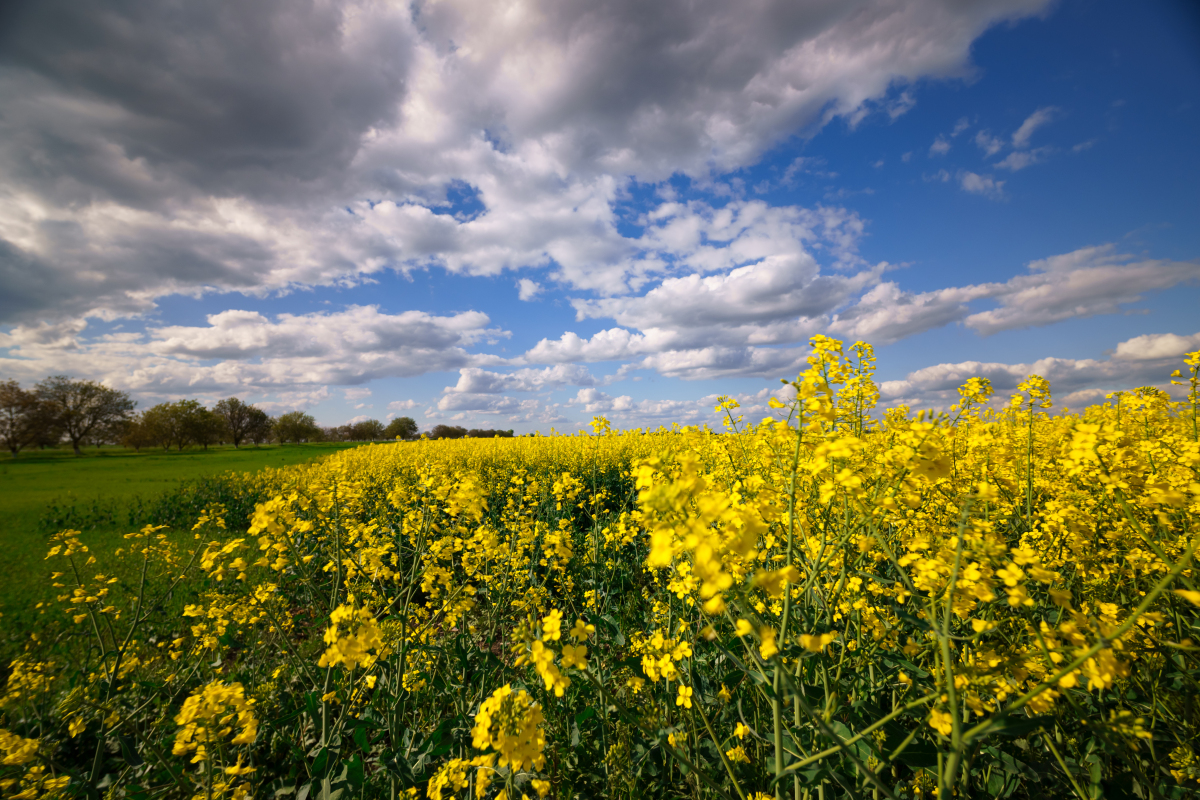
(522, 213)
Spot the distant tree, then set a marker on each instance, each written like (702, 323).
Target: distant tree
(401, 428)
(478, 433)
(78, 408)
(205, 427)
(137, 434)
(261, 427)
(174, 423)
(296, 426)
(238, 417)
(368, 430)
(447, 432)
(21, 417)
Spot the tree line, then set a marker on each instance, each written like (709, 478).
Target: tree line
(59, 409)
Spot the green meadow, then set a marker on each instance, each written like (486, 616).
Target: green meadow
(40, 488)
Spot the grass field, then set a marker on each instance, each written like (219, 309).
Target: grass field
(34, 481)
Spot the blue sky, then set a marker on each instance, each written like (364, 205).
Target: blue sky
(521, 214)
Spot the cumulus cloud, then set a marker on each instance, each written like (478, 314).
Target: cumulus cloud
(984, 185)
(940, 146)
(259, 149)
(1082, 283)
(1153, 346)
(528, 289)
(630, 413)
(726, 325)
(1073, 381)
(472, 380)
(244, 351)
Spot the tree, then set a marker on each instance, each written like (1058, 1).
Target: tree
(174, 423)
(260, 427)
(367, 430)
(296, 426)
(137, 434)
(21, 417)
(238, 418)
(205, 427)
(401, 428)
(447, 432)
(488, 433)
(81, 407)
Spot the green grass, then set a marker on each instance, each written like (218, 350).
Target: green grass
(35, 480)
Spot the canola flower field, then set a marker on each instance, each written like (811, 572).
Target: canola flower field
(829, 604)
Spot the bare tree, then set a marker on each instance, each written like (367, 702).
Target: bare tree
(21, 417)
(81, 407)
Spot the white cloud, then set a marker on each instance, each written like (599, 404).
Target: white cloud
(960, 126)
(984, 185)
(244, 351)
(759, 303)
(1085, 282)
(630, 413)
(528, 289)
(1020, 159)
(472, 380)
(887, 313)
(989, 144)
(356, 393)
(1037, 119)
(1154, 346)
(143, 162)
(940, 146)
(402, 405)
(1073, 382)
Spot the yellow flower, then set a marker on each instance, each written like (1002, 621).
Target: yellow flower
(574, 656)
(1189, 595)
(940, 721)
(552, 626)
(737, 754)
(582, 630)
(511, 724)
(767, 648)
(685, 697)
(816, 643)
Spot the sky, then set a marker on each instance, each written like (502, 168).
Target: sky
(525, 213)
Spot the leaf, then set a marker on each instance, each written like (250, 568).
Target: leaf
(355, 772)
(1018, 726)
(129, 751)
(919, 755)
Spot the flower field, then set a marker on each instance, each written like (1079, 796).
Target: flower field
(831, 603)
